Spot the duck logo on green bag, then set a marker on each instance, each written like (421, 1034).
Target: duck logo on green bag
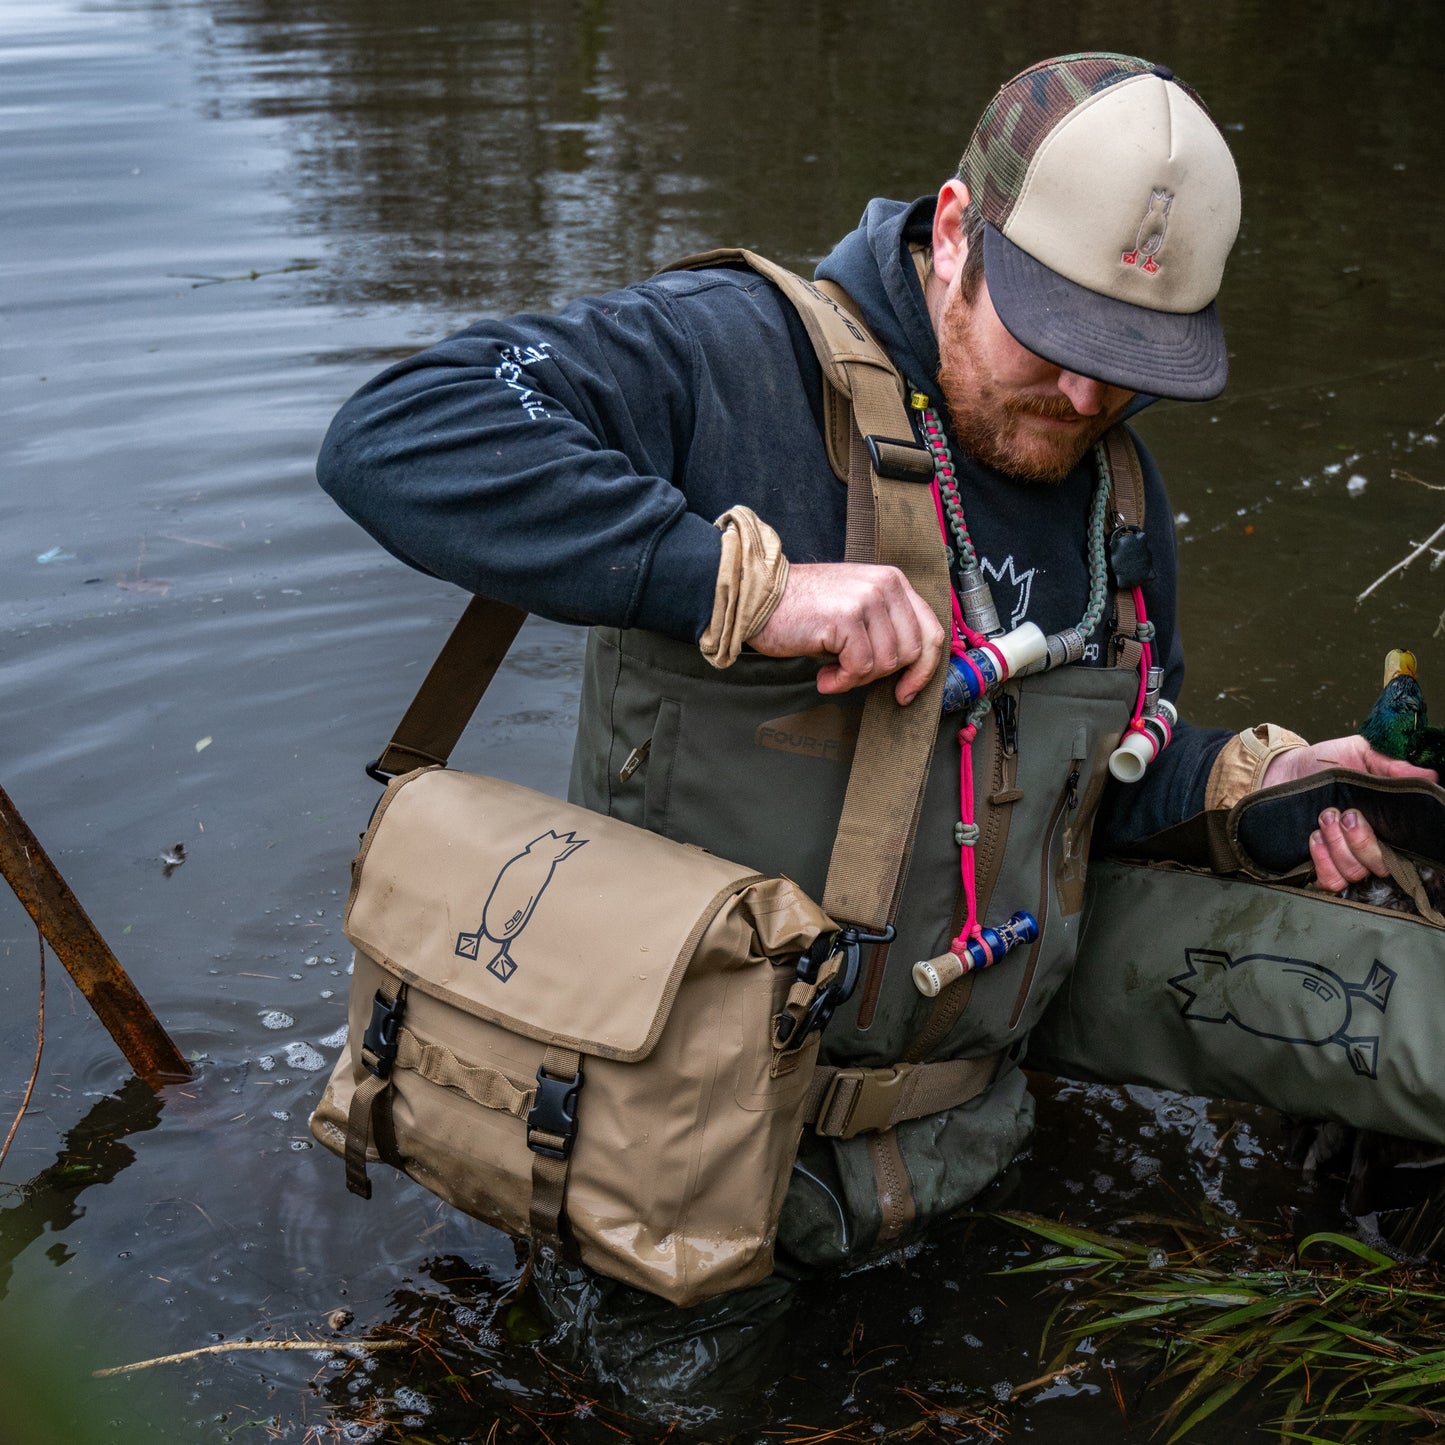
(513, 898)
(1288, 999)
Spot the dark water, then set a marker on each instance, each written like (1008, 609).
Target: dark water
(217, 220)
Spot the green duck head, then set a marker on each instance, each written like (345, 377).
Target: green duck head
(1398, 713)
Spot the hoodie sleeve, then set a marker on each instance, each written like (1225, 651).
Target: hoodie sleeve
(532, 460)
(1173, 787)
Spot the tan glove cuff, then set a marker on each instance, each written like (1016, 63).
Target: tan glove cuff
(1241, 764)
(750, 582)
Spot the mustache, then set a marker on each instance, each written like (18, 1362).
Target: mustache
(1054, 408)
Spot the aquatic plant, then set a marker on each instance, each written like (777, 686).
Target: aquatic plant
(1331, 1334)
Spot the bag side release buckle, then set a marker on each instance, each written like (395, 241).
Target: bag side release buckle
(553, 1115)
(379, 1042)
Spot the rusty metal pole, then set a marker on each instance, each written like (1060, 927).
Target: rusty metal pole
(78, 945)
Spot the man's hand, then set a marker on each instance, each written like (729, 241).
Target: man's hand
(1351, 752)
(867, 620)
(1344, 848)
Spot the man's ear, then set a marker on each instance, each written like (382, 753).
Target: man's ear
(949, 247)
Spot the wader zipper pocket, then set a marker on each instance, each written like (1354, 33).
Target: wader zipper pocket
(635, 760)
(1068, 801)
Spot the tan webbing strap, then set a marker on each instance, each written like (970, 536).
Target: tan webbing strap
(551, 1156)
(1407, 877)
(851, 1101)
(450, 692)
(366, 1119)
(490, 1088)
(1128, 506)
(358, 1133)
(882, 804)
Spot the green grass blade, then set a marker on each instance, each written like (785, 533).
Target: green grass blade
(1221, 1396)
(1351, 1246)
(1081, 1241)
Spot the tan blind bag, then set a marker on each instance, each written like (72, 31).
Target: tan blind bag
(569, 1007)
(598, 1038)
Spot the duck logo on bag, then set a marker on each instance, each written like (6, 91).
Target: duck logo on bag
(1289, 999)
(514, 898)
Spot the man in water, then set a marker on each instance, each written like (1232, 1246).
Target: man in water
(654, 464)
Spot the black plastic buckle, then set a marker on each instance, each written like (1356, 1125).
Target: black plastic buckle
(848, 941)
(554, 1111)
(380, 1039)
(896, 459)
(374, 772)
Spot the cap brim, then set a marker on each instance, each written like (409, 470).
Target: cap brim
(1164, 353)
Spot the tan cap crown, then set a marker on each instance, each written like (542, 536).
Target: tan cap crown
(1136, 174)
(1110, 202)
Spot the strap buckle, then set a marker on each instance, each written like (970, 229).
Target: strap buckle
(866, 1098)
(379, 1042)
(790, 1033)
(554, 1113)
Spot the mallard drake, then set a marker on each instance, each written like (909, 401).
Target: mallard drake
(1397, 725)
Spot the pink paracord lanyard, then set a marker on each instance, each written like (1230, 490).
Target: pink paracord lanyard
(961, 639)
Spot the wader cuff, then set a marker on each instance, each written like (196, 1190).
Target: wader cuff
(750, 581)
(1240, 767)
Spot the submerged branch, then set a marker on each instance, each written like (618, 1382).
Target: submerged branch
(39, 1049)
(369, 1346)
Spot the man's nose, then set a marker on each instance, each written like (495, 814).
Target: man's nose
(1086, 394)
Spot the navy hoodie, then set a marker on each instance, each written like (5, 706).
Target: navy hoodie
(573, 465)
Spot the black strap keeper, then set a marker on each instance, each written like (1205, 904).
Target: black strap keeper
(899, 461)
(1131, 564)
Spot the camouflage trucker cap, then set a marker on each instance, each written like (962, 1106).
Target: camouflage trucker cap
(1110, 203)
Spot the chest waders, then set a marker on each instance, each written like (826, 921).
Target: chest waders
(753, 763)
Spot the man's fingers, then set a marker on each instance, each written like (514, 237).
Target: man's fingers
(1344, 850)
(1385, 767)
(932, 639)
(866, 620)
(1326, 874)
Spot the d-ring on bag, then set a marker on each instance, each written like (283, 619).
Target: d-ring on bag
(602, 1039)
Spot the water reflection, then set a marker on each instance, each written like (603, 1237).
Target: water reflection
(92, 1154)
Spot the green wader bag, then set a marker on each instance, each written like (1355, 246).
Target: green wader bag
(1218, 973)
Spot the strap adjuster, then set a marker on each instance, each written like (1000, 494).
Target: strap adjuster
(553, 1115)
(898, 460)
(866, 1099)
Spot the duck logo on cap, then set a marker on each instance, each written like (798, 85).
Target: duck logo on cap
(1150, 239)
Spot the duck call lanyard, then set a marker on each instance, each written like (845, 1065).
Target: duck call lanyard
(977, 947)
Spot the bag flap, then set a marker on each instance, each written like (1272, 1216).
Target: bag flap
(555, 922)
(1266, 834)
(1270, 829)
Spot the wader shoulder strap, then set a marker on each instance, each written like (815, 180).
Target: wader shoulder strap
(1127, 505)
(891, 521)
